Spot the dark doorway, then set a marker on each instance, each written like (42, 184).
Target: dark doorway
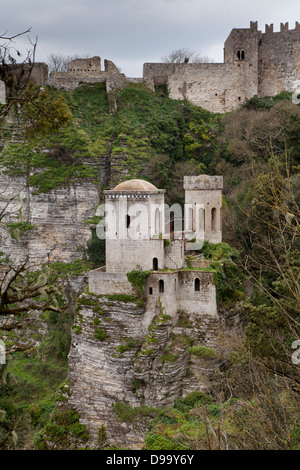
(155, 264)
(197, 284)
(161, 286)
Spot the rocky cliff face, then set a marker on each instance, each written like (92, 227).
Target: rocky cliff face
(114, 358)
(58, 219)
(120, 351)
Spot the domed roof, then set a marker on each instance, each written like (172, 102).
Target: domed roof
(135, 185)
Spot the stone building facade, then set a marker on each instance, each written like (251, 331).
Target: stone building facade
(140, 235)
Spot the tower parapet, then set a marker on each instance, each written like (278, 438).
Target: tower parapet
(203, 182)
(203, 200)
(269, 28)
(284, 27)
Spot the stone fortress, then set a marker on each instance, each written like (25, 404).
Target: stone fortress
(179, 307)
(255, 63)
(142, 235)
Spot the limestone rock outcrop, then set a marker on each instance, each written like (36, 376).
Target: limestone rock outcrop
(115, 358)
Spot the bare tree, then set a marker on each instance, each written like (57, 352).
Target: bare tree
(59, 62)
(183, 55)
(12, 63)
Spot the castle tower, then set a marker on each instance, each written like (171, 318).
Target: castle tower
(241, 51)
(203, 206)
(134, 221)
(241, 45)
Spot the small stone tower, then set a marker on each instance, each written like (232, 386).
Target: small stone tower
(241, 46)
(203, 206)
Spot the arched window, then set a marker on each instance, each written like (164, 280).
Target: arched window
(214, 219)
(155, 264)
(172, 222)
(161, 286)
(190, 219)
(201, 219)
(197, 284)
(157, 222)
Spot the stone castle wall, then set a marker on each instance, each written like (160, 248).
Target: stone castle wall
(87, 71)
(255, 63)
(215, 87)
(279, 60)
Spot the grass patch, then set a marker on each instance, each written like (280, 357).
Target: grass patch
(100, 334)
(202, 351)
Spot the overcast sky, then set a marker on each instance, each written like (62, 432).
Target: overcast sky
(132, 32)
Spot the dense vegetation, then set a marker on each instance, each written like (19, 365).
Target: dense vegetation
(255, 404)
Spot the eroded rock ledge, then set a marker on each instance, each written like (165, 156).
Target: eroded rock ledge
(114, 358)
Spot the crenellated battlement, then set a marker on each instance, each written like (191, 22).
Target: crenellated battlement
(284, 27)
(203, 182)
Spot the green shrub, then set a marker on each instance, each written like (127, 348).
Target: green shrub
(18, 229)
(128, 414)
(121, 297)
(138, 279)
(202, 351)
(192, 400)
(228, 275)
(127, 346)
(100, 334)
(96, 250)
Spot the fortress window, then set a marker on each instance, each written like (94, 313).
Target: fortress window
(172, 224)
(197, 284)
(161, 286)
(190, 218)
(157, 222)
(241, 55)
(155, 264)
(201, 219)
(150, 290)
(214, 219)
(127, 221)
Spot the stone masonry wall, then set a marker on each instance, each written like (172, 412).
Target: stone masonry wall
(279, 60)
(218, 88)
(255, 63)
(87, 71)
